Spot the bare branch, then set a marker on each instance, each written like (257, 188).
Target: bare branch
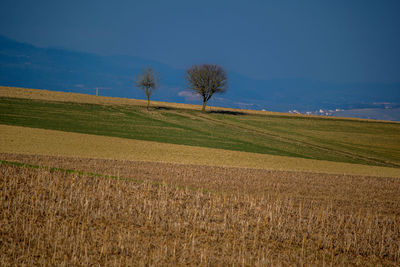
(148, 82)
(206, 80)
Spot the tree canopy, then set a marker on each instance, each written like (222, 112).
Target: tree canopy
(148, 82)
(206, 80)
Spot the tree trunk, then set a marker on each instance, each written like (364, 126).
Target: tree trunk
(148, 98)
(203, 109)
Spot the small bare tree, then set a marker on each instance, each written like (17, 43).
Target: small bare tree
(148, 82)
(206, 80)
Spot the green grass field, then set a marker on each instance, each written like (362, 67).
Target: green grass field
(340, 140)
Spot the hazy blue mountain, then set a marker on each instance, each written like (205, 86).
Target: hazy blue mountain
(24, 65)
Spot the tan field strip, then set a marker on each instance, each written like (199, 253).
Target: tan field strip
(47, 95)
(15, 139)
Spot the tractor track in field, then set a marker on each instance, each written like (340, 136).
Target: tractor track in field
(304, 144)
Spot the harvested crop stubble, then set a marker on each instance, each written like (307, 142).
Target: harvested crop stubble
(56, 218)
(346, 192)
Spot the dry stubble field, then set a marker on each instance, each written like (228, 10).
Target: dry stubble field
(171, 214)
(193, 215)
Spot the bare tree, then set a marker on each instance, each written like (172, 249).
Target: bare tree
(206, 80)
(148, 82)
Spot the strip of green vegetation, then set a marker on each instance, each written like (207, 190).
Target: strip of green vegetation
(372, 143)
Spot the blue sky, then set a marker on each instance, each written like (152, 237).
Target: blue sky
(336, 41)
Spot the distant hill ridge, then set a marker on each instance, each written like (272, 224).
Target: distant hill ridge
(24, 65)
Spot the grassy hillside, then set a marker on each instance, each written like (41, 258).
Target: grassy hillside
(340, 140)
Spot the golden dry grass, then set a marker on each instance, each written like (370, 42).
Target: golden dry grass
(15, 139)
(54, 218)
(40, 94)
